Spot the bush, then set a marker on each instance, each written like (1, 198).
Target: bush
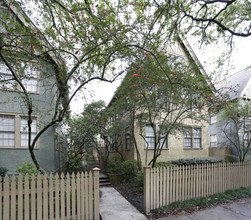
(3, 171)
(194, 161)
(74, 164)
(27, 168)
(139, 180)
(231, 158)
(114, 165)
(128, 170)
(163, 164)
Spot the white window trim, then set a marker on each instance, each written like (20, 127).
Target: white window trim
(213, 119)
(216, 142)
(17, 123)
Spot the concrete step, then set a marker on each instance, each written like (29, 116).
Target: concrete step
(104, 180)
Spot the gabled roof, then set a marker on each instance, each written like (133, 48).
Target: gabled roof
(239, 84)
(26, 21)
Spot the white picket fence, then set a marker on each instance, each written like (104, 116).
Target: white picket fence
(50, 197)
(163, 186)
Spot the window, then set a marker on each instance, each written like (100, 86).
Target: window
(30, 81)
(14, 131)
(150, 138)
(213, 120)
(6, 77)
(24, 131)
(162, 140)
(188, 137)
(192, 138)
(247, 138)
(213, 140)
(149, 135)
(127, 138)
(29, 77)
(7, 131)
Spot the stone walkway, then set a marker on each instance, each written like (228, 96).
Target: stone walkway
(113, 206)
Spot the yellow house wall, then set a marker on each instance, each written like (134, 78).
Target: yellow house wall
(175, 143)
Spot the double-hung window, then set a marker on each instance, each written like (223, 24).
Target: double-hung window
(6, 79)
(192, 138)
(25, 132)
(14, 131)
(28, 74)
(30, 78)
(149, 136)
(7, 131)
(213, 140)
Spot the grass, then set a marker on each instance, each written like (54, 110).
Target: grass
(207, 201)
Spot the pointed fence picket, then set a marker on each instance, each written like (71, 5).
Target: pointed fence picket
(44, 197)
(165, 185)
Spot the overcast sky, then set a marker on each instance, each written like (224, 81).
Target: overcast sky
(241, 59)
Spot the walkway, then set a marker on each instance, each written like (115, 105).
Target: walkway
(113, 206)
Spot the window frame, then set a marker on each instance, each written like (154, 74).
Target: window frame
(127, 139)
(17, 131)
(192, 138)
(31, 67)
(159, 137)
(210, 139)
(213, 119)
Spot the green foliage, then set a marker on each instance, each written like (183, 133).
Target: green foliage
(128, 170)
(231, 158)
(27, 168)
(234, 121)
(3, 171)
(139, 180)
(163, 164)
(195, 161)
(114, 165)
(74, 163)
(208, 201)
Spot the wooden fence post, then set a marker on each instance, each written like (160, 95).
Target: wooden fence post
(96, 193)
(147, 198)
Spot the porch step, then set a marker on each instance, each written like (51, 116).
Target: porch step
(104, 180)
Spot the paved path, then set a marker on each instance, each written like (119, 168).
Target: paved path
(113, 206)
(239, 210)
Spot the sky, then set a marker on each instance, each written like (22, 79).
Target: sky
(240, 59)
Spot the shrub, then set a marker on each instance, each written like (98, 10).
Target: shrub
(128, 170)
(3, 171)
(114, 165)
(163, 164)
(27, 168)
(74, 164)
(231, 158)
(194, 161)
(139, 180)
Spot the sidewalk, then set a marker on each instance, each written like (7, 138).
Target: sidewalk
(113, 206)
(240, 210)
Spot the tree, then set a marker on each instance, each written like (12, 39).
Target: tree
(81, 132)
(164, 96)
(99, 40)
(93, 39)
(85, 132)
(235, 125)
